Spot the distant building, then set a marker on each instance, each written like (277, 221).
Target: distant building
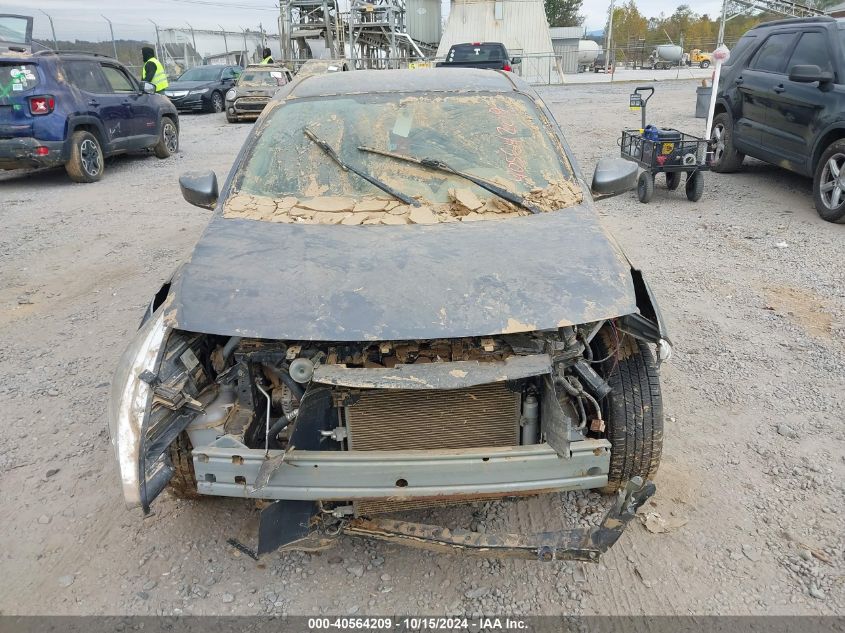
(837, 10)
(518, 24)
(565, 44)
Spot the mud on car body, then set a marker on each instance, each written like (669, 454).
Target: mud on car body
(404, 299)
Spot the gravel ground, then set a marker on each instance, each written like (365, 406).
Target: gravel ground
(751, 486)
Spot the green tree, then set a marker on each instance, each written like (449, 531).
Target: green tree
(563, 12)
(630, 28)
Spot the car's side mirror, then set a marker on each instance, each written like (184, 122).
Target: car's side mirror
(808, 73)
(148, 88)
(516, 60)
(613, 176)
(199, 188)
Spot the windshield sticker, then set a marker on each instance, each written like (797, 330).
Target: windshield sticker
(17, 87)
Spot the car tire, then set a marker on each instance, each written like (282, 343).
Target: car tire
(725, 156)
(825, 177)
(217, 104)
(645, 187)
(183, 484)
(695, 186)
(168, 139)
(86, 162)
(704, 64)
(673, 179)
(633, 411)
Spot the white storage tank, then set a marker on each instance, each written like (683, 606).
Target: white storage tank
(422, 18)
(588, 50)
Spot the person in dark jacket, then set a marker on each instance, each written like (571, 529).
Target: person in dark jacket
(153, 70)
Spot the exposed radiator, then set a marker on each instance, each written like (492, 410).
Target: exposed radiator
(486, 415)
(476, 417)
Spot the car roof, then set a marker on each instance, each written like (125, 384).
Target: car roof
(423, 80)
(820, 19)
(51, 55)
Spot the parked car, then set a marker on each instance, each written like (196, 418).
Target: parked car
(323, 67)
(203, 88)
(489, 55)
(781, 99)
(358, 333)
(77, 109)
(255, 87)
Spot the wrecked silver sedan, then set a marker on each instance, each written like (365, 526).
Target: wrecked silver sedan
(404, 299)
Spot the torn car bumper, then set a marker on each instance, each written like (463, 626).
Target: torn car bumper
(574, 544)
(299, 525)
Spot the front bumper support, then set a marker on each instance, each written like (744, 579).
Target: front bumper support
(310, 532)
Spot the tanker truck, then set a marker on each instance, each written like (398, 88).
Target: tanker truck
(588, 51)
(666, 56)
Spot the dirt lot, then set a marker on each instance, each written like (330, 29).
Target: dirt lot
(750, 281)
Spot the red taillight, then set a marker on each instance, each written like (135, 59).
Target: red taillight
(41, 151)
(42, 105)
(508, 68)
(476, 43)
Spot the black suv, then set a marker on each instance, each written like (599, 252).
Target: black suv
(781, 99)
(75, 109)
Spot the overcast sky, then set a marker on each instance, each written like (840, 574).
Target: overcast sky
(82, 18)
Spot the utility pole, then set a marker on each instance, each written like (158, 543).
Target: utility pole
(225, 42)
(111, 30)
(193, 39)
(158, 41)
(609, 40)
(246, 50)
(55, 42)
(721, 38)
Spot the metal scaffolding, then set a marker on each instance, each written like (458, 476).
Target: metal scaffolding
(734, 8)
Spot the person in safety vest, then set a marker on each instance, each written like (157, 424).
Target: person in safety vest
(153, 71)
(268, 56)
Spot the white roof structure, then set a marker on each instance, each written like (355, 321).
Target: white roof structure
(518, 24)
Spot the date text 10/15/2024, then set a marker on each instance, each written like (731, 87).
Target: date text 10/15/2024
(417, 623)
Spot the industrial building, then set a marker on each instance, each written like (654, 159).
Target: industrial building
(565, 45)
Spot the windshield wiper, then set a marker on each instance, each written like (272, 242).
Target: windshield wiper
(331, 153)
(439, 165)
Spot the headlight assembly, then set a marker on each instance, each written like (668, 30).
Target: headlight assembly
(130, 398)
(230, 96)
(201, 91)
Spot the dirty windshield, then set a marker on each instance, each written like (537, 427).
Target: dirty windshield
(262, 78)
(500, 139)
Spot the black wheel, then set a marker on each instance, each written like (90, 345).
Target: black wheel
(704, 64)
(829, 183)
(633, 412)
(725, 156)
(217, 103)
(168, 140)
(645, 187)
(695, 186)
(86, 162)
(673, 179)
(183, 485)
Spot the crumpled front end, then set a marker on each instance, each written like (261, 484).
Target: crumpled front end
(338, 435)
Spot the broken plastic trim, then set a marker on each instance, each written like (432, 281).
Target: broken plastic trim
(585, 544)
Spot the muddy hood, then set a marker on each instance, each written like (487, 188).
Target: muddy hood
(339, 283)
